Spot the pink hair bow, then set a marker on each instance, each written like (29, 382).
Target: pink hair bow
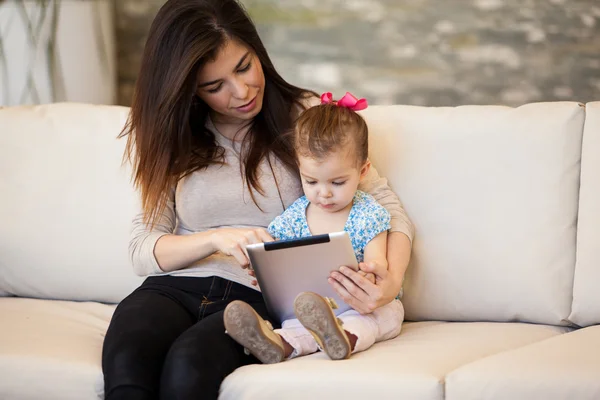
(348, 101)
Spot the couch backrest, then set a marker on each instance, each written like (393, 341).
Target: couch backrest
(586, 293)
(493, 193)
(66, 203)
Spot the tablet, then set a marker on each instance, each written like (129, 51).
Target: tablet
(285, 268)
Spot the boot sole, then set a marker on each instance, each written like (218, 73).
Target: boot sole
(315, 314)
(248, 328)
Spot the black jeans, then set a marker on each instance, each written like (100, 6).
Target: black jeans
(167, 339)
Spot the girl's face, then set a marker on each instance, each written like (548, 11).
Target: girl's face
(330, 183)
(233, 84)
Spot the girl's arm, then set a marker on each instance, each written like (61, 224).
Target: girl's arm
(375, 253)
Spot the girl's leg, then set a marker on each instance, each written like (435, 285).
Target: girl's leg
(382, 324)
(298, 337)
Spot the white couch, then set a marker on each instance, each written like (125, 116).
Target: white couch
(506, 203)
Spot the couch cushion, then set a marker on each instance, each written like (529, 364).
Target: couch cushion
(412, 366)
(560, 368)
(51, 349)
(586, 296)
(493, 193)
(67, 203)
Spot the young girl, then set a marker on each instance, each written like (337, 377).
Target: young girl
(331, 148)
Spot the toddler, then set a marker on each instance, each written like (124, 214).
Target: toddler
(331, 146)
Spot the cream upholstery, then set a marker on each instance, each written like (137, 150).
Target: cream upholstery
(586, 293)
(412, 366)
(564, 367)
(51, 349)
(493, 193)
(65, 225)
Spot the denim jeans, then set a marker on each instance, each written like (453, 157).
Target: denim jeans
(166, 340)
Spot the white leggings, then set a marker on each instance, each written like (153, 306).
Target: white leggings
(382, 324)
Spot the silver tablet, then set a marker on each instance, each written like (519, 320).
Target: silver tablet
(286, 268)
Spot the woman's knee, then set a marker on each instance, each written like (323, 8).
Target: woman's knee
(184, 374)
(128, 360)
(199, 360)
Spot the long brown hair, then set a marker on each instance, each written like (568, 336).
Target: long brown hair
(167, 138)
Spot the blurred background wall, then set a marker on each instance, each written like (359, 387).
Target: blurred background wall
(421, 52)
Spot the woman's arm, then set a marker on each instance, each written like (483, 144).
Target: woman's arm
(378, 187)
(158, 250)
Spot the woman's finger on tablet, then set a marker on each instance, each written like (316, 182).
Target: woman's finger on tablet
(252, 236)
(258, 235)
(239, 255)
(262, 235)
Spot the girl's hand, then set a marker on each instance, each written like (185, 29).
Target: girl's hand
(368, 275)
(361, 293)
(233, 241)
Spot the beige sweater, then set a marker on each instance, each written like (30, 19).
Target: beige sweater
(218, 197)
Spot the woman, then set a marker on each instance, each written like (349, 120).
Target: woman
(204, 137)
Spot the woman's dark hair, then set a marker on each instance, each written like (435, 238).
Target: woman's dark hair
(167, 138)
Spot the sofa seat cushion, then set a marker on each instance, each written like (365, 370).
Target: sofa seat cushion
(564, 367)
(51, 349)
(412, 366)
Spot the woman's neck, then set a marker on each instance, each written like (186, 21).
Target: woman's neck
(232, 128)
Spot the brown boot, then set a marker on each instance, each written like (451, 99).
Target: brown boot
(315, 313)
(247, 328)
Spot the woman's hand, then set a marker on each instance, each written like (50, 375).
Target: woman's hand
(233, 241)
(361, 293)
(364, 295)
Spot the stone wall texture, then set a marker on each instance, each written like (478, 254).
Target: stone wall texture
(419, 52)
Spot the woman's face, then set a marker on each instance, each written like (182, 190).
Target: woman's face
(232, 85)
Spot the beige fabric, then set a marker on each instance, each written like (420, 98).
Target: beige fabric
(492, 192)
(586, 296)
(51, 349)
(561, 368)
(66, 205)
(412, 366)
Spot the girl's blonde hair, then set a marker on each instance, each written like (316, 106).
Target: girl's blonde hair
(328, 128)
